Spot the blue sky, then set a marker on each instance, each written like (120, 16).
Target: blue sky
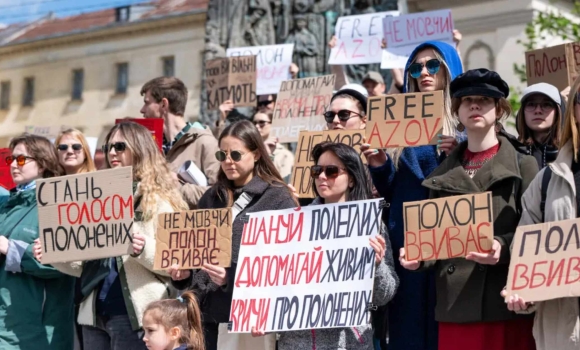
(12, 11)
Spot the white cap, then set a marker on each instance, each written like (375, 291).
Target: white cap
(545, 89)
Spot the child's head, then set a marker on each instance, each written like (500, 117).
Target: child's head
(170, 323)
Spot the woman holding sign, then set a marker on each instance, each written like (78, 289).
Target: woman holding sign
(117, 290)
(556, 324)
(470, 311)
(248, 181)
(36, 301)
(397, 176)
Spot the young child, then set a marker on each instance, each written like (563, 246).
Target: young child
(173, 324)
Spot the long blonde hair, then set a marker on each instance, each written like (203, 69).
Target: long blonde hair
(149, 168)
(88, 164)
(449, 122)
(570, 128)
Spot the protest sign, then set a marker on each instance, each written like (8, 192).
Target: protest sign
(231, 78)
(301, 178)
(87, 216)
(50, 132)
(306, 268)
(155, 125)
(192, 238)
(545, 261)
(449, 227)
(391, 60)
(300, 105)
(5, 175)
(359, 39)
(273, 64)
(403, 120)
(556, 65)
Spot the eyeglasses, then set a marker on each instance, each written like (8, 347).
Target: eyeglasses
(432, 65)
(20, 159)
(545, 106)
(343, 115)
(331, 171)
(118, 146)
(75, 146)
(235, 156)
(262, 123)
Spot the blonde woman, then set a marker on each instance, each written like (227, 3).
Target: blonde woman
(74, 154)
(116, 291)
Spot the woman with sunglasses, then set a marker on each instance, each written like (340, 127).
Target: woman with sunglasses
(36, 301)
(249, 182)
(470, 311)
(283, 159)
(117, 290)
(339, 176)
(397, 176)
(73, 152)
(347, 110)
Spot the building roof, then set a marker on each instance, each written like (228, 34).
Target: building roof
(50, 26)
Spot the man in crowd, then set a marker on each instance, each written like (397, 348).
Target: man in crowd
(374, 83)
(166, 98)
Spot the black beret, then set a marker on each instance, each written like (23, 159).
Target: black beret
(479, 82)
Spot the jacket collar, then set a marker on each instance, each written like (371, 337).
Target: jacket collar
(188, 137)
(450, 176)
(562, 166)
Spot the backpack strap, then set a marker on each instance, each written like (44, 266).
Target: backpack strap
(544, 190)
(518, 185)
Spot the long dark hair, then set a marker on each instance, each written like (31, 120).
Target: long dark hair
(246, 132)
(354, 167)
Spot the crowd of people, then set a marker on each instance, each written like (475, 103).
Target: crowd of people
(123, 303)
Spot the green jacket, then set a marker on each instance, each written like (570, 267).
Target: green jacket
(468, 291)
(36, 301)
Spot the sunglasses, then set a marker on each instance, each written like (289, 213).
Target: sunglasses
(432, 66)
(343, 115)
(235, 156)
(20, 159)
(331, 171)
(74, 146)
(118, 146)
(545, 106)
(264, 103)
(262, 123)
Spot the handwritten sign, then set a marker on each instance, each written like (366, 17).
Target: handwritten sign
(232, 78)
(359, 39)
(556, 65)
(301, 178)
(155, 125)
(193, 238)
(273, 64)
(87, 216)
(306, 268)
(401, 120)
(300, 105)
(50, 132)
(449, 227)
(5, 175)
(545, 261)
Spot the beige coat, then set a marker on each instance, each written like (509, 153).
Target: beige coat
(199, 146)
(556, 325)
(143, 284)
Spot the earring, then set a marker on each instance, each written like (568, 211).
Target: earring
(460, 127)
(498, 126)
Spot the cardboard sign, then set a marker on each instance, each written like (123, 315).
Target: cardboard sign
(545, 261)
(273, 63)
(300, 105)
(301, 178)
(155, 125)
(403, 120)
(306, 268)
(449, 227)
(359, 39)
(5, 175)
(556, 65)
(50, 132)
(231, 78)
(193, 238)
(87, 216)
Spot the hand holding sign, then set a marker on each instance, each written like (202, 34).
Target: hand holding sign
(138, 243)
(375, 157)
(177, 274)
(490, 258)
(409, 265)
(217, 274)
(515, 303)
(446, 143)
(379, 246)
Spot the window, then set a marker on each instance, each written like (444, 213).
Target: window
(5, 95)
(168, 66)
(122, 13)
(28, 95)
(122, 78)
(78, 78)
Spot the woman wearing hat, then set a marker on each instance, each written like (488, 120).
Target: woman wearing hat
(538, 123)
(470, 311)
(347, 110)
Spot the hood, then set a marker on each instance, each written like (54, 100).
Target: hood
(448, 52)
